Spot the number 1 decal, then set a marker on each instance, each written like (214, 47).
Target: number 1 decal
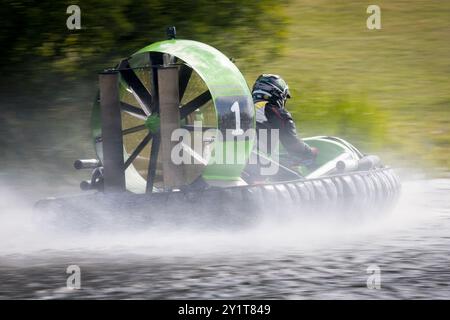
(237, 114)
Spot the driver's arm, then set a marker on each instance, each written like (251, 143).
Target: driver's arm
(294, 145)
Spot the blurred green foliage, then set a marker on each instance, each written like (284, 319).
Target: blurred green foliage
(385, 90)
(34, 33)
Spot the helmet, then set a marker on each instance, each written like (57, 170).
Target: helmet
(271, 88)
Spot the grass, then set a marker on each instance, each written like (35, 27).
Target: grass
(386, 90)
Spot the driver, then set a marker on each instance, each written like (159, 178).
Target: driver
(270, 93)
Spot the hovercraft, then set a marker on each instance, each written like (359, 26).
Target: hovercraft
(199, 94)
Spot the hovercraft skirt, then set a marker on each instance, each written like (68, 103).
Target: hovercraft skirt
(349, 194)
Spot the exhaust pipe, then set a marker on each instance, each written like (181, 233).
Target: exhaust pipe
(366, 163)
(86, 164)
(347, 165)
(369, 162)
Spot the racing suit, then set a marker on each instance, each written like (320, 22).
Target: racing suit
(269, 116)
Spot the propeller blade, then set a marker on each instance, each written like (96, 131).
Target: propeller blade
(134, 129)
(194, 104)
(191, 127)
(185, 73)
(138, 150)
(132, 110)
(138, 89)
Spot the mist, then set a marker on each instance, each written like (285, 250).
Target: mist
(20, 233)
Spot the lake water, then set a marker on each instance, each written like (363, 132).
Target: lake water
(299, 259)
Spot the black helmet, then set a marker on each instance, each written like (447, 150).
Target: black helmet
(271, 88)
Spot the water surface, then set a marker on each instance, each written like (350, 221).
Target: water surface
(300, 259)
